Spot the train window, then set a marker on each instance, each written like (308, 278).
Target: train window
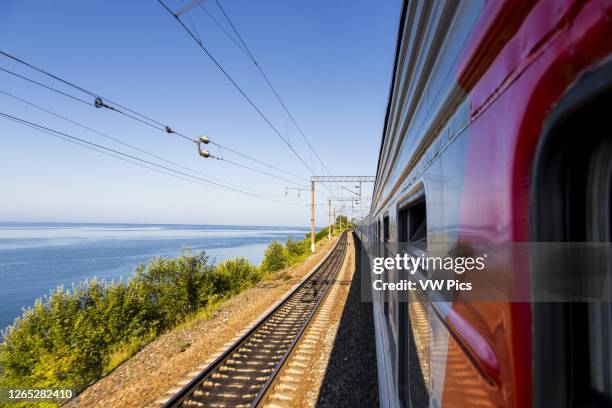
(385, 254)
(378, 240)
(386, 229)
(389, 305)
(413, 224)
(572, 202)
(417, 218)
(414, 332)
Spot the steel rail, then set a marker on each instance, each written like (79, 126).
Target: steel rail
(268, 386)
(294, 303)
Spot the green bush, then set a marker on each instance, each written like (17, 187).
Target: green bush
(275, 257)
(72, 337)
(173, 288)
(297, 249)
(233, 275)
(321, 234)
(340, 225)
(60, 342)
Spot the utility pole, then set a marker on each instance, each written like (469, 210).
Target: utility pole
(330, 179)
(356, 202)
(334, 225)
(328, 219)
(312, 216)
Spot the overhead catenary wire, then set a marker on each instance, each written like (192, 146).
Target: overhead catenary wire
(191, 22)
(212, 142)
(255, 170)
(75, 86)
(94, 146)
(250, 55)
(109, 154)
(136, 116)
(132, 157)
(265, 77)
(246, 50)
(120, 141)
(46, 86)
(235, 84)
(218, 24)
(98, 100)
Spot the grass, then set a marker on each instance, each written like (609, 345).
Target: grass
(123, 353)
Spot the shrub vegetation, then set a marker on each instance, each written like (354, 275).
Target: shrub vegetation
(74, 336)
(275, 257)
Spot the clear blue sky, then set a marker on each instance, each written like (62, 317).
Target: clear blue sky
(331, 62)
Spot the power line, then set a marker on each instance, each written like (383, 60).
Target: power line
(265, 77)
(110, 154)
(253, 169)
(256, 160)
(129, 156)
(106, 152)
(46, 86)
(75, 86)
(245, 49)
(98, 101)
(161, 127)
(119, 140)
(249, 54)
(228, 76)
(231, 37)
(191, 22)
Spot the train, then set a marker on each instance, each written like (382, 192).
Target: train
(497, 130)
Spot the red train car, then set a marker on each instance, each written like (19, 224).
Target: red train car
(497, 132)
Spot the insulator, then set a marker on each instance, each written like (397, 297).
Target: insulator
(204, 153)
(204, 139)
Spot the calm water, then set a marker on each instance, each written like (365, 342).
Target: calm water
(36, 257)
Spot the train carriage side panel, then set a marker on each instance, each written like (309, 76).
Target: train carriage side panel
(510, 60)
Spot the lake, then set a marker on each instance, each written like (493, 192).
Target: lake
(36, 257)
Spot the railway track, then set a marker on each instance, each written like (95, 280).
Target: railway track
(243, 374)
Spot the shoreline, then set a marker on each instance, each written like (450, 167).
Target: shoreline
(38, 260)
